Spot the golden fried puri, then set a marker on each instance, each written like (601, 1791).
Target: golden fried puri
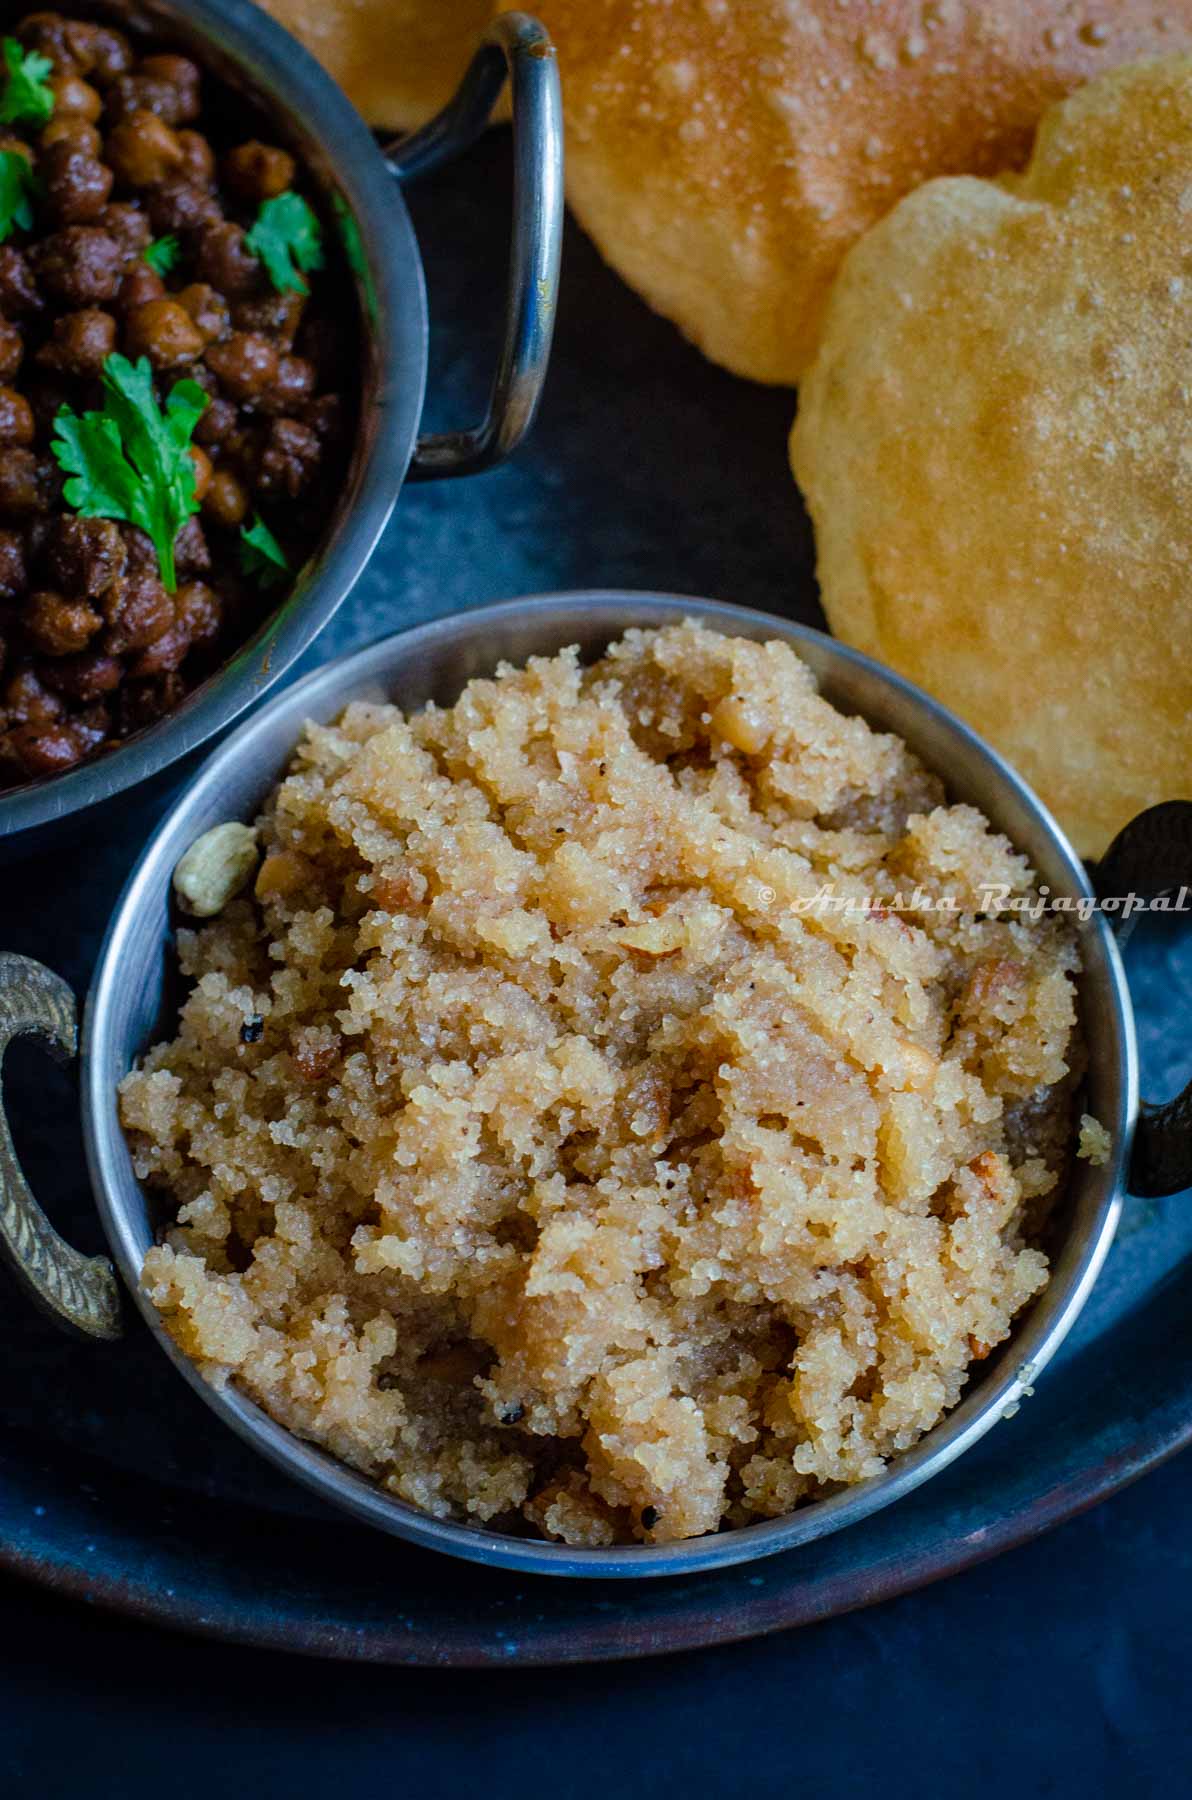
(993, 443)
(398, 60)
(724, 154)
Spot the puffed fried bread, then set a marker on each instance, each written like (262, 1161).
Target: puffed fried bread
(399, 61)
(993, 444)
(724, 154)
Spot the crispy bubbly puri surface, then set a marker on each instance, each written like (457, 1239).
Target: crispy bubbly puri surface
(724, 154)
(993, 445)
(533, 1149)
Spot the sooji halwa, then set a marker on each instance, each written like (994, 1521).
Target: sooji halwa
(531, 1149)
(171, 350)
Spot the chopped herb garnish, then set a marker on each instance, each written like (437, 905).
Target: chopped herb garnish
(353, 243)
(162, 254)
(261, 556)
(26, 98)
(18, 185)
(132, 461)
(286, 237)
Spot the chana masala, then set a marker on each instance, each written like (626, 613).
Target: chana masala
(530, 1141)
(174, 336)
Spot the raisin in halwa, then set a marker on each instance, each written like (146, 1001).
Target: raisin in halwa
(144, 186)
(538, 1152)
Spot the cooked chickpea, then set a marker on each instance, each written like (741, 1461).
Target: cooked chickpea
(178, 73)
(86, 675)
(16, 418)
(224, 261)
(164, 332)
(58, 626)
(75, 98)
(138, 613)
(110, 53)
(258, 171)
(23, 483)
(246, 364)
(143, 150)
(198, 612)
(208, 309)
(127, 224)
(14, 576)
(81, 342)
(127, 179)
(203, 471)
(12, 349)
(140, 285)
(224, 500)
(18, 289)
(293, 384)
(198, 158)
(79, 265)
(77, 184)
(71, 130)
(218, 422)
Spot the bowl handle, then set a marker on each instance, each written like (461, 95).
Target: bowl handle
(77, 1291)
(1151, 856)
(517, 46)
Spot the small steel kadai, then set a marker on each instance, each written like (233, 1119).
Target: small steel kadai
(361, 182)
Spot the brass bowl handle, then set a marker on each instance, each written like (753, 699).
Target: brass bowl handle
(80, 1292)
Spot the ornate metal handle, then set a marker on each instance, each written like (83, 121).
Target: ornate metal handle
(517, 46)
(1149, 857)
(78, 1291)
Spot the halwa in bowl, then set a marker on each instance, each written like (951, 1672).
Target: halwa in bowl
(544, 1168)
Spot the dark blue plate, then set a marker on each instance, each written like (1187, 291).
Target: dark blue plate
(649, 469)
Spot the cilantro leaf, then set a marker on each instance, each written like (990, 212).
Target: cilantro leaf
(286, 233)
(90, 448)
(132, 461)
(353, 243)
(26, 97)
(162, 254)
(261, 556)
(18, 185)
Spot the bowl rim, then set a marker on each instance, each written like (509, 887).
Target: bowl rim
(287, 81)
(1041, 1328)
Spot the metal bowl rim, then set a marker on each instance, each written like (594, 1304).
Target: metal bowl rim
(1037, 1338)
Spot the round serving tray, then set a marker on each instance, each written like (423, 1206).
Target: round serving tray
(649, 469)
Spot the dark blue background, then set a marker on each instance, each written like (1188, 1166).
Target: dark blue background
(1059, 1669)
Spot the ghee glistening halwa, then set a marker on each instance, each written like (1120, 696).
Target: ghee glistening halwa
(540, 1145)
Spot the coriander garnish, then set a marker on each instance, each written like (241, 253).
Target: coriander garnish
(261, 556)
(132, 461)
(18, 185)
(353, 243)
(162, 254)
(286, 237)
(26, 99)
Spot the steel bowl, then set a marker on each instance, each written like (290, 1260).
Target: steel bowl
(360, 182)
(132, 999)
